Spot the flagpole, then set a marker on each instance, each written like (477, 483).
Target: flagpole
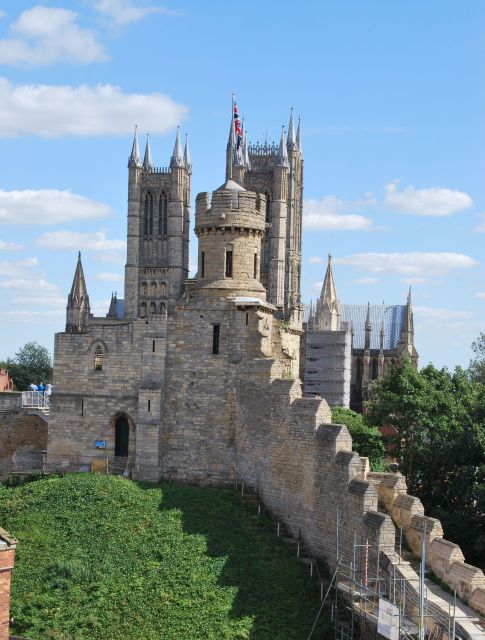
(232, 137)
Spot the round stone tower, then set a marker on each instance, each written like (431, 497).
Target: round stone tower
(230, 229)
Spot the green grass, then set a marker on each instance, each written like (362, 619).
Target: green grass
(105, 558)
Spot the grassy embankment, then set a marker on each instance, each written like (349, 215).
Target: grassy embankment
(102, 558)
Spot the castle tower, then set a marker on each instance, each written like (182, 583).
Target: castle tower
(277, 174)
(230, 229)
(77, 310)
(328, 306)
(158, 231)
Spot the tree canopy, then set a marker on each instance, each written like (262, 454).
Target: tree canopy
(32, 363)
(367, 440)
(439, 422)
(477, 364)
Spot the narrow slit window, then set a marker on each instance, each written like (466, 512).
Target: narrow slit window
(202, 264)
(153, 346)
(255, 265)
(229, 262)
(149, 406)
(247, 319)
(150, 218)
(145, 217)
(163, 214)
(98, 358)
(216, 330)
(82, 406)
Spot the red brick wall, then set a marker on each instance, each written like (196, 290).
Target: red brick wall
(18, 430)
(7, 556)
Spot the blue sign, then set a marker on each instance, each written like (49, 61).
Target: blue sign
(100, 444)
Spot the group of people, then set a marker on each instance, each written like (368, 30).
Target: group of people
(45, 390)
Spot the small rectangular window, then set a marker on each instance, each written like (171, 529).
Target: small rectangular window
(202, 264)
(153, 346)
(229, 263)
(247, 319)
(82, 406)
(215, 338)
(149, 406)
(255, 265)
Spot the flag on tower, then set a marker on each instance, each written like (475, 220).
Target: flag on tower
(238, 135)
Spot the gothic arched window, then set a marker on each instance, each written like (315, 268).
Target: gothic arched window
(98, 358)
(143, 309)
(144, 288)
(374, 372)
(358, 371)
(153, 307)
(163, 214)
(145, 217)
(154, 288)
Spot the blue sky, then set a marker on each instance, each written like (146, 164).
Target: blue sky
(391, 97)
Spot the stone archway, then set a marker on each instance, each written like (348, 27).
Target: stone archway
(122, 437)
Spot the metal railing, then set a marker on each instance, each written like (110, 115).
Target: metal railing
(35, 400)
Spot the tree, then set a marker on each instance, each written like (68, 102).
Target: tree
(32, 363)
(439, 420)
(367, 440)
(477, 365)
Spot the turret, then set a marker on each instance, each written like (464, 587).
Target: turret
(406, 341)
(77, 311)
(328, 307)
(147, 159)
(229, 228)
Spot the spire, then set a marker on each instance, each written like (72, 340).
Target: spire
(246, 151)
(77, 312)
(367, 319)
(298, 137)
(147, 158)
(329, 290)
(409, 297)
(177, 157)
(368, 328)
(134, 160)
(187, 160)
(291, 132)
(282, 157)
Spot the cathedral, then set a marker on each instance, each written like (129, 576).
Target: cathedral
(348, 347)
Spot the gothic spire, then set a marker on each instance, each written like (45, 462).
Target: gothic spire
(134, 159)
(291, 132)
(368, 328)
(282, 157)
(298, 138)
(79, 291)
(187, 160)
(367, 319)
(77, 312)
(177, 157)
(147, 158)
(329, 290)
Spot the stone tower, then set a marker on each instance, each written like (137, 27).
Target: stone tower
(158, 231)
(275, 174)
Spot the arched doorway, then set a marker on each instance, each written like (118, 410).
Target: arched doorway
(122, 437)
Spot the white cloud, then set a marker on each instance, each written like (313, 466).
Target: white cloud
(32, 317)
(44, 35)
(317, 286)
(480, 295)
(122, 12)
(440, 320)
(107, 276)
(418, 280)
(2, 14)
(315, 260)
(366, 281)
(34, 291)
(76, 240)
(19, 268)
(481, 227)
(48, 206)
(51, 111)
(335, 214)
(10, 246)
(100, 308)
(414, 263)
(434, 201)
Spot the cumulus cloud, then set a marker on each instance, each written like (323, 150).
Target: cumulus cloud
(441, 320)
(32, 317)
(51, 111)
(10, 246)
(480, 295)
(76, 240)
(366, 281)
(481, 227)
(315, 260)
(48, 206)
(123, 12)
(18, 268)
(106, 276)
(334, 214)
(35, 291)
(434, 201)
(44, 35)
(414, 263)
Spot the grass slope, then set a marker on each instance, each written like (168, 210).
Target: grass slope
(105, 558)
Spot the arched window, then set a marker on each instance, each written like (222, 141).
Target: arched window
(144, 288)
(374, 372)
(228, 271)
(145, 217)
(154, 288)
(163, 289)
(163, 214)
(153, 307)
(268, 206)
(150, 218)
(143, 309)
(162, 308)
(358, 371)
(98, 358)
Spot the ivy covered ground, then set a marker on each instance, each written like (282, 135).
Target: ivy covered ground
(104, 558)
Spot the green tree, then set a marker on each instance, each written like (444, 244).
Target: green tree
(439, 419)
(367, 440)
(32, 363)
(477, 364)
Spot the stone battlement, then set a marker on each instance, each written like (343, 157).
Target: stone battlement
(230, 209)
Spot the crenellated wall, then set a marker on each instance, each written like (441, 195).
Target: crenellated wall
(444, 558)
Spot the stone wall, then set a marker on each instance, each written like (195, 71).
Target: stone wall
(20, 431)
(444, 558)
(8, 545)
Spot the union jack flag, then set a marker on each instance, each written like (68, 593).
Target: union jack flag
(238, 134)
